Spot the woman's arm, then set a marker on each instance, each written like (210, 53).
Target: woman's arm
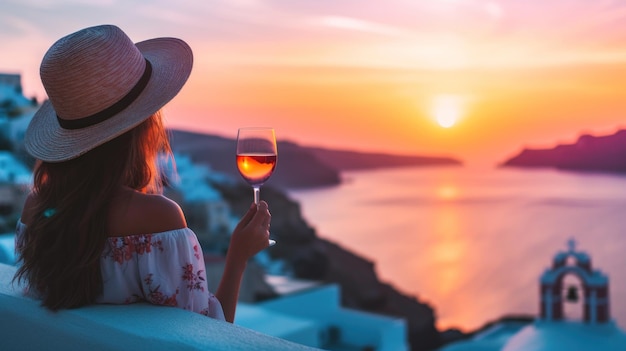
(249, 237)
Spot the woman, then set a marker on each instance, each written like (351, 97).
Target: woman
(95, 228)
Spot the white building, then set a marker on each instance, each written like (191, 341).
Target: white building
(13, 171)
(553, 330)
(12, 80)
(192, 183)
(16, 110)
(15, 180)
(314, 317)
(13, 129)
(208, 214)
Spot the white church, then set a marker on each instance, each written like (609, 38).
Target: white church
(552, 330)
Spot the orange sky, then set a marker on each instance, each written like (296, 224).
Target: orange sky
(358, 75)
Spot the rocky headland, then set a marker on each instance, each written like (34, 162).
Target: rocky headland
(589, 153)
(307, 255)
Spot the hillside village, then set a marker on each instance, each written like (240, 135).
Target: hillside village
(304, 311)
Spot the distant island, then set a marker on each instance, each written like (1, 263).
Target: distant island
(298, 166)
(606, 154)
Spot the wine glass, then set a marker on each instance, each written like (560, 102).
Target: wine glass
(256, 157)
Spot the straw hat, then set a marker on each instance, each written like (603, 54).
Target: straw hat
(100, 85)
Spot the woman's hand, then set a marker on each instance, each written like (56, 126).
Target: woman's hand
(252, 232)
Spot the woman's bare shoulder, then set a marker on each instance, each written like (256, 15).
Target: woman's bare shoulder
(146, 213)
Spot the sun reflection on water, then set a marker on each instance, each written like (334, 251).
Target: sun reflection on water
(449, 248)
(447, 192)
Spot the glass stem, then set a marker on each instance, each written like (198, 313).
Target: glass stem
(257, 194)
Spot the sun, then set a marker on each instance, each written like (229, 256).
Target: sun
(447, 109)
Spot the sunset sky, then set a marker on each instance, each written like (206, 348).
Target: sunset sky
(473, 79)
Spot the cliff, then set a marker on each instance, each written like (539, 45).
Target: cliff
(298, 166)
(307, 255)
(311, 257)
(589, 154)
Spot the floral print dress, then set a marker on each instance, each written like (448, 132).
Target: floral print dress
(164, 268)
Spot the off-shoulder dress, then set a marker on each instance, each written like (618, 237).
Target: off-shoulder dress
(165, 268)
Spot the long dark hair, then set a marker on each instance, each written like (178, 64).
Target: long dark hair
(69, 222)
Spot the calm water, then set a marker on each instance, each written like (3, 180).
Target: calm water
(474, 242)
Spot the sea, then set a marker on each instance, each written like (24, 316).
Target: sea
(473, 242)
